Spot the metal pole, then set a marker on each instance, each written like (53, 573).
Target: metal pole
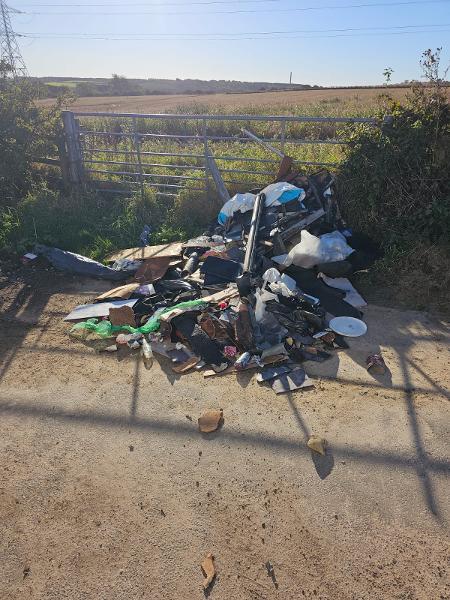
(137, 145)
(283, 135)
(265, 145)
(205, 151)
(220, 185)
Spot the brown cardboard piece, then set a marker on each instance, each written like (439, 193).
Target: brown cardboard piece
(122, 316)
(153, 269)
(210, 421)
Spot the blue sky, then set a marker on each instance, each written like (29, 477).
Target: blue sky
(189, 39)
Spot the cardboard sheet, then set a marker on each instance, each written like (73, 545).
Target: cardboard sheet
(155, 268)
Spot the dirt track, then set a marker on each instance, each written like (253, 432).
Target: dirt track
(108, 491)
(148, 104)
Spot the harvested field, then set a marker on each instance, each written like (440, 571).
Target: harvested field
(147, 104)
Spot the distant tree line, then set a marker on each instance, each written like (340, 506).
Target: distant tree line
(118, 85)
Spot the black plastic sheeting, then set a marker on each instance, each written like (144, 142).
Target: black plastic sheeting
(79, 265)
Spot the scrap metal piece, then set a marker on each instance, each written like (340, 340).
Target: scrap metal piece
(244, 281)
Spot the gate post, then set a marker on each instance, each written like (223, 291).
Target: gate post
(73, 148)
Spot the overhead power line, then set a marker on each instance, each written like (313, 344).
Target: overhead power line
(237, 11)
(233, 34)
(150, 4)
(228, 39)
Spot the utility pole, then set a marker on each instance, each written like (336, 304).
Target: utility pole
(10, 56)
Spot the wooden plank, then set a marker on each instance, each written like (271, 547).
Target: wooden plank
(172, 249)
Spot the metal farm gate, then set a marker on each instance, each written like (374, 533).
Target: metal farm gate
(122, 152)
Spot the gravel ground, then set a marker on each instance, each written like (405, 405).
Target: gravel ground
(108, 491)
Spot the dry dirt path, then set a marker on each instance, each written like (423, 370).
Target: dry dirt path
(108, 492)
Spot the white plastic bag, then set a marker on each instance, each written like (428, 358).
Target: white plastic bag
(282, 192)
(312, 251)
(262, 296)
(334, 247)
(279, 284)
(239, 202)
(307, 253)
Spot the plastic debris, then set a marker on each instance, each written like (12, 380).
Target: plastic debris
(78, 264)
(107, 329)
(147, 354)
(289, 382)
(227, 300)
(313, 250)
(375, 364)
(348, 326)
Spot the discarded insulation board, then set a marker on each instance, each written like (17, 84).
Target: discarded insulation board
(99, 309)
(174, 249)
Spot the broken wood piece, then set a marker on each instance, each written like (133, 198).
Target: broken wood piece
(317, 444)
(123, 315)
(285, 168)
(227, 294)
(123, 292)
(210, 421)
(209, 571)
(186, 366)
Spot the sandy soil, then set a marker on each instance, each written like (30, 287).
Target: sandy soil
(108, 491)
(164, 103)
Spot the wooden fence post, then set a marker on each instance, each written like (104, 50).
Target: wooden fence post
(72, 148)
(63, 162)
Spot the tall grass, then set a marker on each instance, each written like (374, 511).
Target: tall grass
(122, 145)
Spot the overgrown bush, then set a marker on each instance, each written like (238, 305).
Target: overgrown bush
(194, 211)
(394, 183)
(27, 133)
(90, 224)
